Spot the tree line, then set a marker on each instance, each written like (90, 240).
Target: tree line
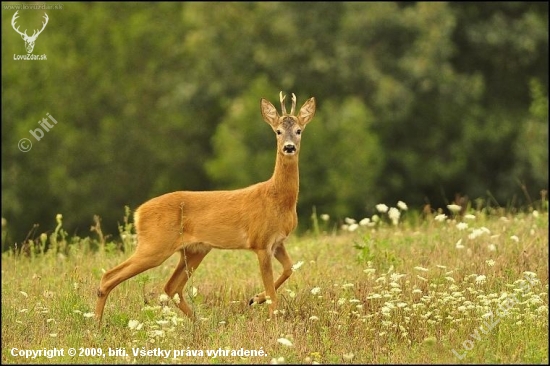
(417, 101)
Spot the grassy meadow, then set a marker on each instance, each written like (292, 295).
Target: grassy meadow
(396, 288)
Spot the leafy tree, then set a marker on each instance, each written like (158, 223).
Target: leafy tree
(416, 101)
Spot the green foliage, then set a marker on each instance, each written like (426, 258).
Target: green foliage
(336, 179)
(244, 145)
(531, 146)
(379, 252)
(416, 102)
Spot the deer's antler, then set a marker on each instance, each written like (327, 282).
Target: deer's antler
(282, 98)
(293, 104)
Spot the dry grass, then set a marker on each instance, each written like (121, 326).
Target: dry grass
(431, 293)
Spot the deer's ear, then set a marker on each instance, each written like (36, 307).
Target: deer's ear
(307, 111)
(269, 112)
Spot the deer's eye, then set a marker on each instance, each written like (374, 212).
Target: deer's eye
(298, 132)
(279, 132)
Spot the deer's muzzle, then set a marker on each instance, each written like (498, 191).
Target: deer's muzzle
(289, 148)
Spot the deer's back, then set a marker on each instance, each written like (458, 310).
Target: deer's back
(238, 219)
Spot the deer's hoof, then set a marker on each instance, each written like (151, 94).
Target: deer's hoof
(257, 299)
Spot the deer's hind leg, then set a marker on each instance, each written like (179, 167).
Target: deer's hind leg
(190, 259)
(146, 256)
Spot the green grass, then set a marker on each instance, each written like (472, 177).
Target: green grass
(382, 294)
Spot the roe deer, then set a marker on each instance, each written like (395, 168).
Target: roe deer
(258, 218)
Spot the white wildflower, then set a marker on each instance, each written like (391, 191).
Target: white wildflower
(440, 217)
(156, 333)
(462, 226)
(394, 215)
(480, 279)
(163, 298)
(348, 356)
(515, 238)
(469, 217)
(315, 290)
(297, 265)
(402, 206)
(285, 342)
(382, 208)
(349, 221)
(454, 208)
(353, 227)
(133, 324)
(364, 222)
(325, 217)
(490, 262)
(475, 233)
(492, 247)
(396, 276)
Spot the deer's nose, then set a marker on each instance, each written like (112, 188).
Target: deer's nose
(289, 148)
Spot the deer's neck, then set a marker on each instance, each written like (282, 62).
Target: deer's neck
(285, 181)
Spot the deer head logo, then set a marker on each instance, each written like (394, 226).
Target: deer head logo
(29, 41)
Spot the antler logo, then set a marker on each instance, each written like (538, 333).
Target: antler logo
(29, 41)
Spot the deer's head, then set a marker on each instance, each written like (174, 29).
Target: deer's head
(29, 40)
(287, 126)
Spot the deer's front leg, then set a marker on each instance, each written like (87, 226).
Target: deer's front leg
(282, 256)
(266, 269)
